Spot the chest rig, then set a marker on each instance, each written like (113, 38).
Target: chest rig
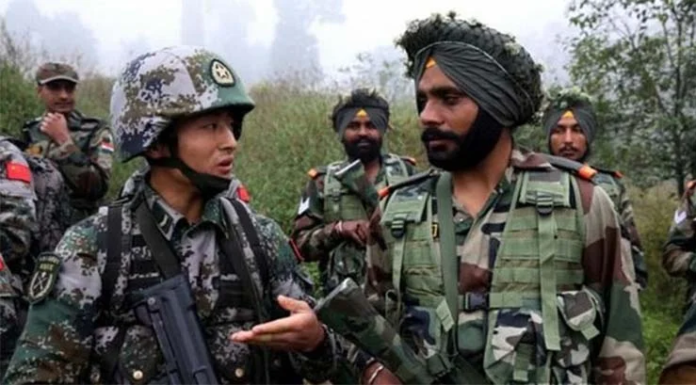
(340, 204)
(129, 257)
(539, 257)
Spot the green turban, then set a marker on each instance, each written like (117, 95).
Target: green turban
(577, 102)
(489, 66)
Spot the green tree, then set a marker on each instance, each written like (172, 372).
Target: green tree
(638, 58)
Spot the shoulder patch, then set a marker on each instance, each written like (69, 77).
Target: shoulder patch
(243, 194)
(44, 277)
(18, 171)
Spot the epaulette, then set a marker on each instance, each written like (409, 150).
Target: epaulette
(582, 170)
(410, 160)
(315, 172)
(413, 179)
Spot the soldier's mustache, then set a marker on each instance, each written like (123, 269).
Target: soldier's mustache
(433, 133)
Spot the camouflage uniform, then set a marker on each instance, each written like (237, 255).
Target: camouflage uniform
(678, 252)
(503, 329)
(17, 222)
(610, 181)
(579, 105)
(89, 330)
(680, 367)
(322, 206)
(536, 287)
(85, 162)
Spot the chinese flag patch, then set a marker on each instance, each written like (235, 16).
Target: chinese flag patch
(18, 171)
(243, 194)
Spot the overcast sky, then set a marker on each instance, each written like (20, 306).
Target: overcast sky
(127, 25)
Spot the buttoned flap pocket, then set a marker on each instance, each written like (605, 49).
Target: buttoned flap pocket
(140, 358)
(232, 360)
(581, 312)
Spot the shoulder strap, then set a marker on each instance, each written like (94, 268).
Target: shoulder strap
(114, 249)
(253, 236)
(160, 249)
(234, 254)
(448, 251)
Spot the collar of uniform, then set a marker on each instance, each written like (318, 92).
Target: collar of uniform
(74, 119)
(381, 174)
(168, 219)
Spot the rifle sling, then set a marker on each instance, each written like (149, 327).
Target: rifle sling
(465, 372)
(234, 253)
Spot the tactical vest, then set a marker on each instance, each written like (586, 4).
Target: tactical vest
(538, 316)
(341, 204)
(130, 267)
(347, 260)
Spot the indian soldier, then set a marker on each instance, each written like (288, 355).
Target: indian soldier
(80, 147)
(501, 268)
(17, 222)
(570, 124)
(113, 296)
(332, 218)
(678, 253)
(680, 367)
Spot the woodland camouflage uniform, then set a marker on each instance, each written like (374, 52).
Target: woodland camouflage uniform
(537, 288)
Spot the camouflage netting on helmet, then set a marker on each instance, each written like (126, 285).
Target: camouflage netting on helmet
(488, 65)
(160, 86)
(576, 101)
(376, 107)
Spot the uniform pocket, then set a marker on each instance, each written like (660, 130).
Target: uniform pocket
(140, 356)
(580, 324)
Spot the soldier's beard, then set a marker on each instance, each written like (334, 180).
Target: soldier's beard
(367, 152)
(470, 149)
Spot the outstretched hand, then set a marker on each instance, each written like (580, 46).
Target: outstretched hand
(300, 331)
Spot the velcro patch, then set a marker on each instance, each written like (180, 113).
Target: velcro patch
(44, 277)
(18, 171)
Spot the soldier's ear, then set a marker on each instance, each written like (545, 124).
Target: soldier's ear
(158, 150)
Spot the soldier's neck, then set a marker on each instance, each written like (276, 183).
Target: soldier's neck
(372, 169)
(182, 197)
(472, 188)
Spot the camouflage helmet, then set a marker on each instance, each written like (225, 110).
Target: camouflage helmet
(160, 86)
